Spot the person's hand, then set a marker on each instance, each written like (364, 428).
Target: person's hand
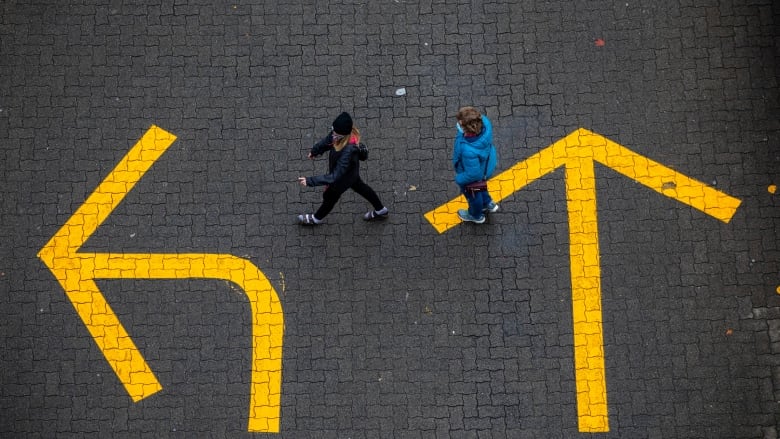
(311, 157)
(302, 181)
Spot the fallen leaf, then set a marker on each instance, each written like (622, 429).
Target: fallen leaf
(729, 331)
(600, 42)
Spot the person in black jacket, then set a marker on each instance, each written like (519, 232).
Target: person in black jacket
(343, 172)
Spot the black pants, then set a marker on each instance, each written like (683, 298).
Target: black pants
(334, 191)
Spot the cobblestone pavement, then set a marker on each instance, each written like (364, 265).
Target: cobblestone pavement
(165, 290)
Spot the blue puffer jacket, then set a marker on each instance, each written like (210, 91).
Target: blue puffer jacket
(470, 155)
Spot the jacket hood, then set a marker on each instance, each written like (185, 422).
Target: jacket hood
(482, 141)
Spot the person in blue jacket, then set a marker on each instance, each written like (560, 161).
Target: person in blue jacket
(343, 172)
(474, 158)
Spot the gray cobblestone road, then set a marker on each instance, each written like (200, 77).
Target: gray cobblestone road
(392, 329)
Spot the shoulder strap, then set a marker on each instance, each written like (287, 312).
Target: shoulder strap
(484, 174)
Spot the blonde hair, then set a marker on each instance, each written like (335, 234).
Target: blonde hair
(470, 120)
(341, 143)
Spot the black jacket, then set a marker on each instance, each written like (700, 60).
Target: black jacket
(343, 166)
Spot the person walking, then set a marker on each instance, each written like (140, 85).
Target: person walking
(474, 158)
(343, 172)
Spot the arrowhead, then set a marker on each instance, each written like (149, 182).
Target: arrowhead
(71, 268)
(576, 150)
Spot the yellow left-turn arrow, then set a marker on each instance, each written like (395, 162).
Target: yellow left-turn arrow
(76, 272)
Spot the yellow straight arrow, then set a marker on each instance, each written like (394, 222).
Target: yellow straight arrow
(577, 152)
(76, 273)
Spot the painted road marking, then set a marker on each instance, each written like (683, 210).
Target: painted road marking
(76, 272)
(577, 152)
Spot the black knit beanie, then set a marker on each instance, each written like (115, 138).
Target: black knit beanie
(343, 124)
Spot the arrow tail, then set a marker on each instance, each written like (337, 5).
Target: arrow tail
(266, 310)
(585, 268)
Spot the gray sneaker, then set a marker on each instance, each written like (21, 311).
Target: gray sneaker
(465, 216)
(491, 208)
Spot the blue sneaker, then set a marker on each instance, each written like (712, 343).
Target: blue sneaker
(465, 216)
(491, 208)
